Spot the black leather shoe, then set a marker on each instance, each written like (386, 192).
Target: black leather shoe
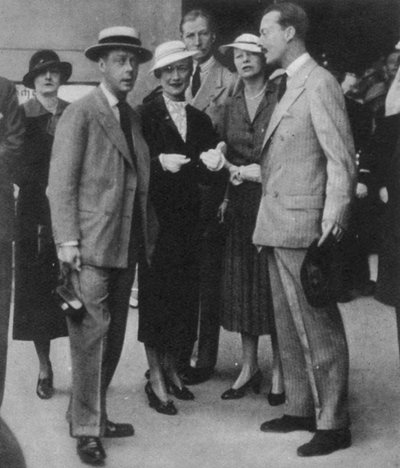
(90, 450)
(276, 399)
(326, 442)
(44, 387)
(288, 424)
(194, 376)
(181, 393)
(118, 429)
(162, 407)
(235, 393)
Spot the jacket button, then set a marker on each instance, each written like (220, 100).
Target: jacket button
(275, 194)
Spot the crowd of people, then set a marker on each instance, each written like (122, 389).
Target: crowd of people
(216, 185)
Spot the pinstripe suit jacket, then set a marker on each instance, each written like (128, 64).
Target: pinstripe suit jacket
(308, 165)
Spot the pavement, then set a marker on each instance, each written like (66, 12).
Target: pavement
(210, 432)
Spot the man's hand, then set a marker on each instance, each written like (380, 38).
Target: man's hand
(214, 159)
(361, 190)
(330, 226)
(70, 255)
(173, 162)
(252, 172)
(383, 195)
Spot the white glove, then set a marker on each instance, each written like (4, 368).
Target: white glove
(173, 162)
(235, 177)
(214, 159)
(252, 172)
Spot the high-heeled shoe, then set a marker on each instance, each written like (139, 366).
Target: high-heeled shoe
(181, 393)
(160, 406)
(44, 387)
(235, 393)
(276, 399)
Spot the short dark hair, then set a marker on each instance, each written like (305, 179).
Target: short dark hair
(291, 14)
(192, 15)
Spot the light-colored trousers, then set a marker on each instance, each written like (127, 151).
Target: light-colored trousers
(312, 344)
(96, 343)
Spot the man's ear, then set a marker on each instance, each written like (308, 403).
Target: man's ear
(101, 64)
(290, 32)
(213, 37)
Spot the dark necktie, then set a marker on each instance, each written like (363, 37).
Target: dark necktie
(196, 82)
(125, 123)
(282, 86)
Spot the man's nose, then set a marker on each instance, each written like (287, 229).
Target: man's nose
(197, 39)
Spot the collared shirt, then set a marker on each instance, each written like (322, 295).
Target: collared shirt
(177, 111)
(295, 66)
(111, 99)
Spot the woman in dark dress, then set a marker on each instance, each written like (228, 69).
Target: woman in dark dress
(246, 295)
(387, 150)
(36, 317)
(169, 290)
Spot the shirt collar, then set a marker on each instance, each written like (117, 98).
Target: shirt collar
(111, 98)
(174, 104)
(295, 66)
(205, 66)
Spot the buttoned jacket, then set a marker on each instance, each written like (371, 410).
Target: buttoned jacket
(308, 163)
(94, 181)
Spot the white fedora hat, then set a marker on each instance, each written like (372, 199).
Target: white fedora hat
(248, 42)
(119, 37)
(170, 52)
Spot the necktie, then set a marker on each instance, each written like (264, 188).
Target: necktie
(125, 123)
(282, 86)
(196, 82)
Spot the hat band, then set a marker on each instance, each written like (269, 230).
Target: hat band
(167, 53)
(120, 39)
(246, 42)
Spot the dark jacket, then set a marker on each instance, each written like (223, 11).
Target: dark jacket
(11, 140)
(388, 141)
(177, 197)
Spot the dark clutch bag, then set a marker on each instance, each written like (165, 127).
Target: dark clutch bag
(322, 272)
(68, 303)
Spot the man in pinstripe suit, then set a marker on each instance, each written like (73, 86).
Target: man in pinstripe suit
(308, 174)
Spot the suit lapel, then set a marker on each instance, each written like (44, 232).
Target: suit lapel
(210, 88)
(294, 90)
(111, 125)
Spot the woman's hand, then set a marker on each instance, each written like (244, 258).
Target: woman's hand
(173, 162)
(252, 172)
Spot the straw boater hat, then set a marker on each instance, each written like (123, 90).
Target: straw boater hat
(170, 52)
(248, 42)
(41, 61)
(119, 37)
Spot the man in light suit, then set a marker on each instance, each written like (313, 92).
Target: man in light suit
(211, 85)
(308, 175)
(98, 183)
(11, 140)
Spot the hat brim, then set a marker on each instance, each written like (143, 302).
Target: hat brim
(247, 47)
(172, 58)
(93, 52)
(65, 69)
